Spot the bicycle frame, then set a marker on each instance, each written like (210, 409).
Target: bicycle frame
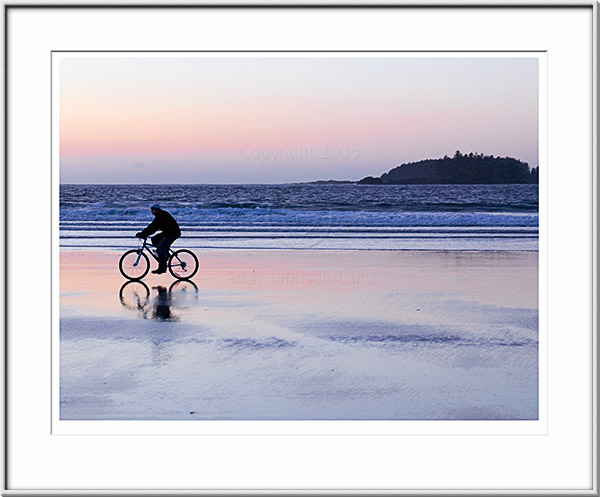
(146, 246)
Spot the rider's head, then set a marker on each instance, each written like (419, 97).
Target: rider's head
(154, 208)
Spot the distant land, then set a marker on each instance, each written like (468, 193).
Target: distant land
(330, 182)
(468, 169)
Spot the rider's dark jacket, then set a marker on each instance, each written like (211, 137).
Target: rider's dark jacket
(164, 222)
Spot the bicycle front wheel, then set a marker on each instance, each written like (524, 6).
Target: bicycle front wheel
(134, 265)
(183, 264)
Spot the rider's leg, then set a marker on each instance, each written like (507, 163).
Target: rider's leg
(162, 252)
(156, 239)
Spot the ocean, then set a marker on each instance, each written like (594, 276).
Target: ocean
(307, 216)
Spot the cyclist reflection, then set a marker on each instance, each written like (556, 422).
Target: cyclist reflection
(162, 305)
(135, 296)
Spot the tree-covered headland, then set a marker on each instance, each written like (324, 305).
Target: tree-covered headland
(471, 169)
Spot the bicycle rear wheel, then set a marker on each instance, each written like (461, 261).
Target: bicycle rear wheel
(183, 264)
(134, 265)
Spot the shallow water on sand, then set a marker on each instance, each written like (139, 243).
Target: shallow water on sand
(303, 335)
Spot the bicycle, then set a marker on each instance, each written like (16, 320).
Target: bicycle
(135, 264)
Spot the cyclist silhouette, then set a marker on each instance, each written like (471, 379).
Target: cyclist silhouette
(170, 232)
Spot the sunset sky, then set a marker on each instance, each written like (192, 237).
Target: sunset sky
(278, 119)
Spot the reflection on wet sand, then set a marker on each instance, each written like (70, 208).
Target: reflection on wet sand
(302, 335)
(136, 296)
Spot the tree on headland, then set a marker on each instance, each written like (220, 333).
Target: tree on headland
(472, 168)
(534, 174)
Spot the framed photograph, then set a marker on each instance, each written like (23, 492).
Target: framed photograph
(300, 249)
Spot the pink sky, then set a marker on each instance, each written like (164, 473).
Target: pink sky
(277, 120)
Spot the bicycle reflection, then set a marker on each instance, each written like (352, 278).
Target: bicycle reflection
(136, 296)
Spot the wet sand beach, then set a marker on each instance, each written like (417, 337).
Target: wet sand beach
(302, 334)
